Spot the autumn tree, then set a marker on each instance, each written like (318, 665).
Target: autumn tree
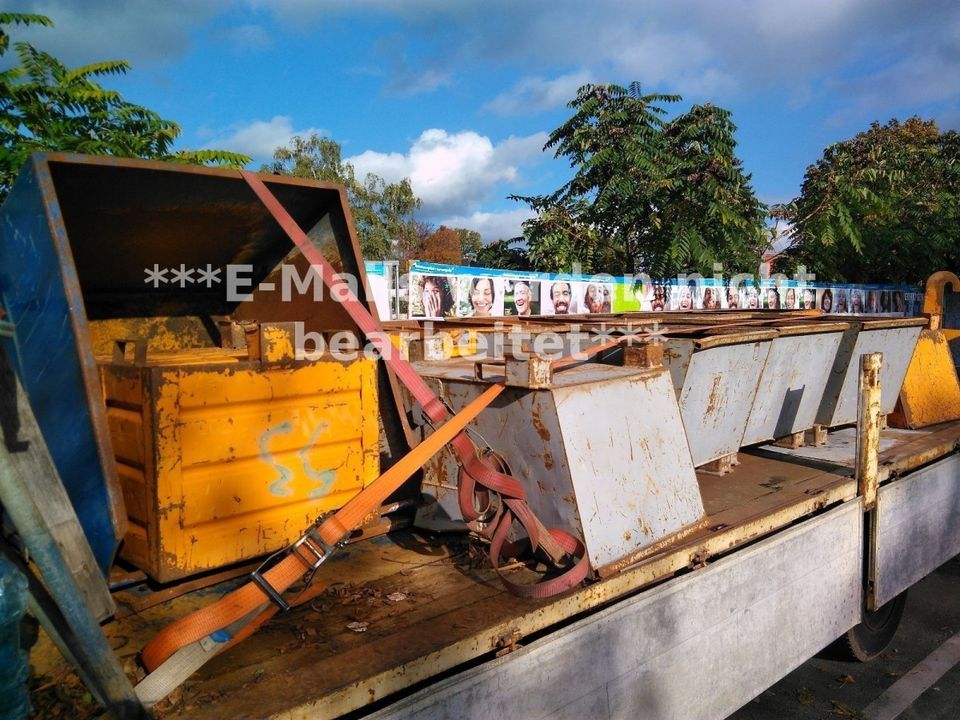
(382, 211)
(662, 196)
(443, 245)
(882, 206)
(47, 106)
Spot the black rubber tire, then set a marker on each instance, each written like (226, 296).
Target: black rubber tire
(874, 634)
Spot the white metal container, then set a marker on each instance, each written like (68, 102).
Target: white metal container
(716, 377)
(793, 380)
(896, 338)
(601, 453)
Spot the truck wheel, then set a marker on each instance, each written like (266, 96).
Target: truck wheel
(871, 637)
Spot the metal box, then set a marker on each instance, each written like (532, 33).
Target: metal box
(793, 380)
(222, 459)
(601, 452)
(896, 338)
(79, 237)
(716, 378)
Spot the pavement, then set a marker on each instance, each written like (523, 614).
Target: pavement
(916, 678)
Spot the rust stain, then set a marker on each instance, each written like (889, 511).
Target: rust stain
(548, 460)
(713, 403)
(538, 424)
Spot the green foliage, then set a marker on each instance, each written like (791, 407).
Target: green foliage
(382, 212)
(44, 105)
(471, 243)
(880, 207)
(506, 254)
(663, 196)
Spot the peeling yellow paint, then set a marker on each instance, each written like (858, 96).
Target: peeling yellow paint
(226, 452)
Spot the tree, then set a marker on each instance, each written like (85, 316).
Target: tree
(471, 243)
(506, 254)
(648, 194)
(444, 245)
(44, 105)
(382, 211)
(880, 207)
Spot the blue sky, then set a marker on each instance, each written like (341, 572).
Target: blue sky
(460, 96)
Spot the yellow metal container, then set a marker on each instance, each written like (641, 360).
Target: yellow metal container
(222, 459)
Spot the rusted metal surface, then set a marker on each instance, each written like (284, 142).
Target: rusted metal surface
(895, 338)
(792, 382)
(933, 296)
(601, 452)
(78, 234)
(868, 429)
(716, 386)
(223, 460)
(50, 352)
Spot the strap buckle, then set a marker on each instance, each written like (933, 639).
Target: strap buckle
(316, 546)
(313, 544)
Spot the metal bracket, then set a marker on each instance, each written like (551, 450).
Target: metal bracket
(313, 543)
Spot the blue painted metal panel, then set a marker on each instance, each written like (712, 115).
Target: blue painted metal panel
(51, 354)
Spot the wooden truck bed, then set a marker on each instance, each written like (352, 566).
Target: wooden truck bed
(399, 611)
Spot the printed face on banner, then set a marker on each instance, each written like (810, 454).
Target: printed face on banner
(732, 298)
(873, 302)
(480, 296)
(885, 301)
(431, 296)
(809, 299)
(521, 297)
(771, 299)
(711, 298)
(750, 298)
(790, 298)
(856, 301)
(687, 297)
(660, 299)
(841, 301)
(595, 297)
(825, 300)
(899, 302)
(561, 297)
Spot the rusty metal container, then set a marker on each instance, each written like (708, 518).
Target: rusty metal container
(600, 449)
(793, 380)
(222, 459)
(79, 237)
(896, 338)
(715, 376)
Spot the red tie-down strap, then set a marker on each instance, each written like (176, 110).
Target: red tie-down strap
(476, 469)
(182, 647)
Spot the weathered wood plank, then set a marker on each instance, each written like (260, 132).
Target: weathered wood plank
(34, 478)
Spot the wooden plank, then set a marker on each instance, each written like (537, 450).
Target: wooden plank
(698, 646)
(36, 480)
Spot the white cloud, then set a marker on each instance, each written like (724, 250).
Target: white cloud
(492, 225)
(260, 138)
(453, 173)
(532, 94)
(706, 51)
(135, 30)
